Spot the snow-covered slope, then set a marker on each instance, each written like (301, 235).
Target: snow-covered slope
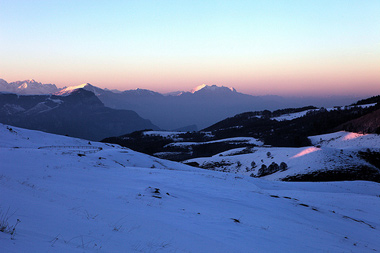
(74, 196)
(332, 152)
(346, 140)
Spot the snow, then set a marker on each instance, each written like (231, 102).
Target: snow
(27, 87)
(346, 140)
(234, 140)
(211, 88)
(199, 87)
(57, 101)
(367, 105)
(68, 90)
(331, 151)
(115, 200)
(291, 116)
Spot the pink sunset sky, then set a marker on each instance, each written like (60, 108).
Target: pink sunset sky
(259, 47)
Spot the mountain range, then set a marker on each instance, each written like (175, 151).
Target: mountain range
(27, 87)
(79, 114)
(191, 110)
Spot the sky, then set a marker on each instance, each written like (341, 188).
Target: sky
(278, 47)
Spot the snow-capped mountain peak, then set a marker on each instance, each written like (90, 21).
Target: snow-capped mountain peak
(174, 93)
(87, 86)
(198, 88)
(213, 88)
(27, 87)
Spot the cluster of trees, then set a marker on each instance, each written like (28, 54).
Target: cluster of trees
(371, 100)
(272, 168)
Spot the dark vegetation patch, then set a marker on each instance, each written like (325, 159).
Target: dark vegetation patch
(213, 165)
(345, 174)
(151, 144)
(272, 168)
(139, 142)
(373, 157)
(194, 164)
(210, 149)
(371, 100)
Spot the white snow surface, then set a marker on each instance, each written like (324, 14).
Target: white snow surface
(346, 140)
(106, 201)
(68, 90)
(291, 116)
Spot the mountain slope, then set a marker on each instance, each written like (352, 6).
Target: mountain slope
(80, 114)
(72, 196)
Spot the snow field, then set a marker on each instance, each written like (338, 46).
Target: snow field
(118, 200)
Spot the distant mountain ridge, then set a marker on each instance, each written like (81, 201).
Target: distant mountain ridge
(202, 106)
(27, 87)
(79, 114)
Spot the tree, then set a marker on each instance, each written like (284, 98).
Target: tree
(262, 171)
(273, 168)
(283, 166)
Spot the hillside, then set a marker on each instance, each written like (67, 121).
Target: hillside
(288, 127)
(369, 123)
(74, 196)
(334, 157)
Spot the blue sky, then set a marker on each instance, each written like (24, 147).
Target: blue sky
(258, 47)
